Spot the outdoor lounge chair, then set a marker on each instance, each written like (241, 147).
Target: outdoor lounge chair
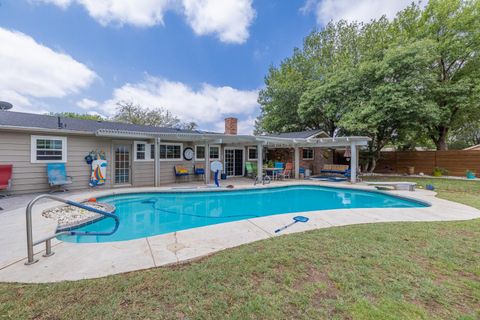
(57, 177)
(199, 170)
(251, 169)
(180, 171)
(6, 171)
(287, 172)
(279, 165)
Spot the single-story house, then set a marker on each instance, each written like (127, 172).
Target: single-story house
(140, 155)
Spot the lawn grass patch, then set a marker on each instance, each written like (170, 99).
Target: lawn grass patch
(372, 271)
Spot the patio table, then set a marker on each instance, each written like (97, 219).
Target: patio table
(274, 172)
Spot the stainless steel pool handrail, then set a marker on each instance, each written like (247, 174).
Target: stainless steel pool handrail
(48, 240)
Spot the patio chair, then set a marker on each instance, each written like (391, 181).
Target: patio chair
(57, 177)
(287, 172)
(180, 171)
(6, 172)
(278, 165)
(199, 170)
(251, 169)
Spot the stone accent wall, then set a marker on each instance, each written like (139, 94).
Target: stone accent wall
(231, 125)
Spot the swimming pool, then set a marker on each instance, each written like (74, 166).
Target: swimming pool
(148, 214)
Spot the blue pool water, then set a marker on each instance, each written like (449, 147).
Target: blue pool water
(147, 214)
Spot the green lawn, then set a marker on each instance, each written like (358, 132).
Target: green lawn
(377, 271)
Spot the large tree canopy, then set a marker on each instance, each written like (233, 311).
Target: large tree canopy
(399, 82)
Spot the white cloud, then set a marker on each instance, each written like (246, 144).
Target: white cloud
(207, 106)
(31, 70)
(87, 104)
(353, 10)
(143, 13)
(228, 19)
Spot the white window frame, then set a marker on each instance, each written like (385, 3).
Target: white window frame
(33, 149)
(147, 151)
(219, 152)
(209, 156)
(313, 154)
(248, 154)
(172, 144)
(205, 152)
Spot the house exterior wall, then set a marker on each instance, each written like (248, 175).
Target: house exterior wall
(28, 177)
(15, 148)
(321, 156)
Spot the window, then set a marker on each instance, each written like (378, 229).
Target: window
(140, 151)
(152, 151)
(307, 154)
(171, 151)
(214, 152)
(48, 149)
(143, 151)
(199, 152)
(252, 153)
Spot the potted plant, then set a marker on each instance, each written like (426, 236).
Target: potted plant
(438, 172)
(470, 174)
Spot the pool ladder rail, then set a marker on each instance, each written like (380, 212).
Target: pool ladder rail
(48, 240)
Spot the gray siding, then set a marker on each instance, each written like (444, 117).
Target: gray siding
(143, 174)
(32, 177)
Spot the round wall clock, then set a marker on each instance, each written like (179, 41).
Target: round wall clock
(188, 154)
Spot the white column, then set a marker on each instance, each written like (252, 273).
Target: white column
(353, 162)
(297, 162)
(207, 163)
(260, 160)
(157, 162)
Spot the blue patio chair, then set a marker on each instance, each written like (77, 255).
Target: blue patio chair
(57, 176)
(181, 171)
(199, 170)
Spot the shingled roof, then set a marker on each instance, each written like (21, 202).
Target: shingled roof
(41, 121)
(300, 134)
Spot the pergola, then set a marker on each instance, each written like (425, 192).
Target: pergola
(261, 142)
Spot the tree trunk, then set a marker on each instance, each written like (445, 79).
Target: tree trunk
(441, 140)
(372, 165)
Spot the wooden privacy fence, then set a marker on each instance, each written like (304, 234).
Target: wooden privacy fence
(457, 162)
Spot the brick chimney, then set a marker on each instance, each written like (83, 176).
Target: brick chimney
(231, 126)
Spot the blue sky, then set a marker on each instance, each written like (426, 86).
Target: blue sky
(201, 59)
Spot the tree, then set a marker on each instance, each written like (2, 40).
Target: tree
(393, 99)
(129, 112)
(73, 115)
(454, 28)
(281, 96)
(465, 136)
(334, 53)
(292, 99)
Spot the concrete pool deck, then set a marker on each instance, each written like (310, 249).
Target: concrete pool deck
(75, 261)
